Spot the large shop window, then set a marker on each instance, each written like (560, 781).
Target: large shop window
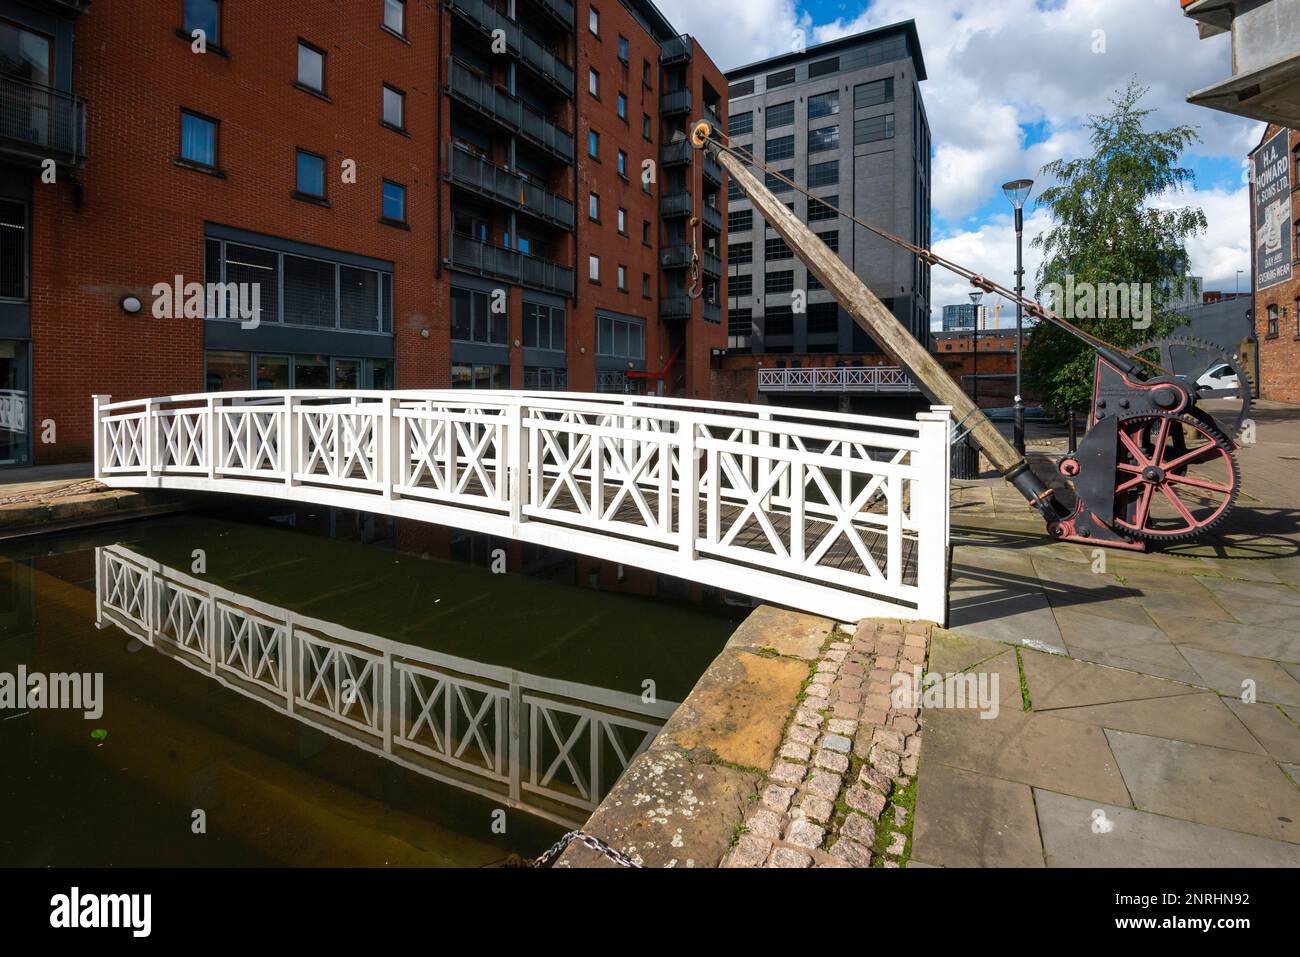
(543, 326)
(303, 290)
(13, 250)
(473, 318)
(229, 371)
(621, 338)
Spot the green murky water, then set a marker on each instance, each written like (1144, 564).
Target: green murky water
(324, 688)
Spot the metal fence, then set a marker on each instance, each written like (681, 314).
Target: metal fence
(836, 379)
(52, 123)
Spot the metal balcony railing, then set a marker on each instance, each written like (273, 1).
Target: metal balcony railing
(836, 379)
(711, 311)
(676, 50)
(712, 218)
(675, 204)
(675, 307)
(522, 44)
(675, 256)
(676, 154)
(560, 10)
(488, 260)
(41, 123)
(474, 172)
(711, 263)
(675, 101)
(480, 94)
(712, 170)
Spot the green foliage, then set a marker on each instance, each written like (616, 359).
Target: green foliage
(1106, 231)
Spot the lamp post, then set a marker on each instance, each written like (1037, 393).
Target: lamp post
(1017, 191)
(976, 296)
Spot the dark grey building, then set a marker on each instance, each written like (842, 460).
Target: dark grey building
(846, 120)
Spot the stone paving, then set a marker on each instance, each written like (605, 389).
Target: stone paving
(836, 794)
(1149, 703)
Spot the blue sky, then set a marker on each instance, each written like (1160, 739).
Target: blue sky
(1011, 83)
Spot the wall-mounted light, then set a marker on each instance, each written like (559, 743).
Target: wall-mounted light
(131, 304)
(424, 333)
(517, 343)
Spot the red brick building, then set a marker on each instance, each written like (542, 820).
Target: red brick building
(1277, 304)
(423, 194)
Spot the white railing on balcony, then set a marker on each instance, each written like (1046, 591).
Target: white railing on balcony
(842, 515)
(477, 726)
(13, 410)
(836, 379)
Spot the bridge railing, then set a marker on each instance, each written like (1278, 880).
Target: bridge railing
(547, 745)
(839, 514)
(836, 379)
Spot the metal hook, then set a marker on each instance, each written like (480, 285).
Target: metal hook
(696, 287)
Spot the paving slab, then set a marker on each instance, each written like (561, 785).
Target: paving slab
(1272, 728)
(965, 819)
(1125, 837)
(1058, 682)
(1034, 749)
(951, 651)
(1200, 718)
(1228, 674)
(1278, 640)
(790, 633)
(1162, 661)
(1215, 786)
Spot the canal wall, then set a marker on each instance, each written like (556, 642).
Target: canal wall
(37, 508)
(788, 752)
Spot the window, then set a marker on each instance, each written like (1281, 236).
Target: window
(777, 248)
(813, 281)
(622, 338)
(740, 322)
(824, 67)
(545, 379)
(780, 78)
(309, 292)
(780, 114)
(645, 126)
(311, 67)
(543, 326)
(645, 284)
(622, 48)
(739, 220)
(622, 106)
(1272, 321)
(394, 202)
(593, 207)
(593, 144)
(740, 124)
(204, 15)
(874, 93)
(779, 148)
(622, 221)
(779, 181)
(874, 129)
(394, 102)
(472, 318)
(831, 239)
(622, 279)
(779, 281)
(13, 250)
(822, 174)
(645, 73)
(826, 138)
(645, 231)
(593, 268)
(593, 83)
(479, 376)
(395, 16)
(740, 253)
(198, 139)
(622, 163)
(740, 88)
(593, 21)
(823, 317)
(820, 210)
(311, 174)
(779, 320)
(741, 285)
(733, 191)
(824, 104)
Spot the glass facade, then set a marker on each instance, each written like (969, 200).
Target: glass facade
(229, 371)
(15, 402)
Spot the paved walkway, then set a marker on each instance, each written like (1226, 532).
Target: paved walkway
(1147, 705)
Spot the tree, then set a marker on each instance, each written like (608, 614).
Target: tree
(1107, 236)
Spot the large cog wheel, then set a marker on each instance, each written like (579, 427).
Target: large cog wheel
(1190, 358)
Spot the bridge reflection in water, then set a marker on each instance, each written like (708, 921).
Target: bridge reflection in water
(548, 746)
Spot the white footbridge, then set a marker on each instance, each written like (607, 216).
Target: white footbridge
(840, 515)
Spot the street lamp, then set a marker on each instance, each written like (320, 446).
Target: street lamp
(1017, 191)
(976, 296)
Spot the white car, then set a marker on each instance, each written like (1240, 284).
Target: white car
(1218, 377)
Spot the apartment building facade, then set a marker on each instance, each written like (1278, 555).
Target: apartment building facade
(846, 120)
(420, 194)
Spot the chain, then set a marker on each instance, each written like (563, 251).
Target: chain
(595, 843)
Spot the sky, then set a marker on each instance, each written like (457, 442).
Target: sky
(1011, 85)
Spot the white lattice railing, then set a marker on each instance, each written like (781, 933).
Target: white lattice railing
(836, 379)
(843, 515)
(549, 746)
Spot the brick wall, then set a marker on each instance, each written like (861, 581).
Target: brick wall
(1279, 354)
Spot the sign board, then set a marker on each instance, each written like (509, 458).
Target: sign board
(1271, 196)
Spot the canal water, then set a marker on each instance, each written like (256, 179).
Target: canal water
(303, 686)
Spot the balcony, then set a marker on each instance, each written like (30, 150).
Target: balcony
(74, 7)
(676, 256)
(711, 263)
(711, 311)
(509, 264)
(676, 50)
(508, 188)
(676, 154)
(712, 171)
(38, 123)
(712, 218)
(675, 101)
(675, 204)
(674, 307)
(519, 42)
(561, 11)
(481, 95)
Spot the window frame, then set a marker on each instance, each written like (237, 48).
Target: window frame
(385, 182)
(298, 80)
(401, 105)
(213, 43)
(216, 141)
(383, 21)
(298, 191)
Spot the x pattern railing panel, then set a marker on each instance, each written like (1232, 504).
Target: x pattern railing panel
(841, 515)
(836, 379)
